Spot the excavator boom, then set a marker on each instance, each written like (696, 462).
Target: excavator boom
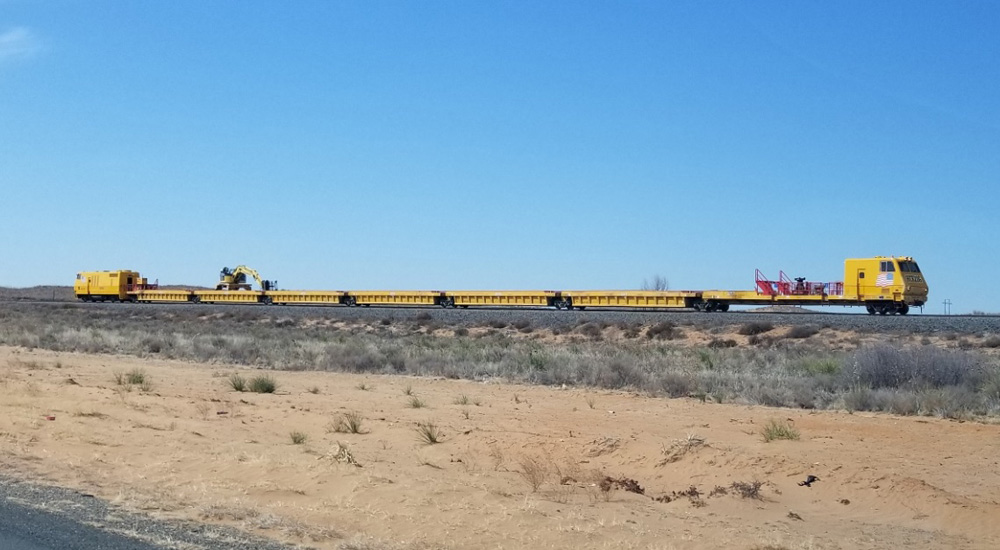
(236, 279)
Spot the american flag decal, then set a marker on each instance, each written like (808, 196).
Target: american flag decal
(884, 279)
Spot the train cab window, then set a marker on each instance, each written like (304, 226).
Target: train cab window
(886, 266)
(909, 267)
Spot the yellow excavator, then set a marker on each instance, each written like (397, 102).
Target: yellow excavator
(236, 279)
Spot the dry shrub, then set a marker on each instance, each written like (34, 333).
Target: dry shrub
(748, 489)
(882, 366)
(757, 327)
(349, 422)
(618, 374)
(533, 470)
(802, 331)
(990, 342)
(675, 384)
(680, 448)
(716, 343)
(590, 330)
(623, 483)
(664, 330)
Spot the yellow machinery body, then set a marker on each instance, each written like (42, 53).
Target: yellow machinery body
(892, 279)
(106, 285)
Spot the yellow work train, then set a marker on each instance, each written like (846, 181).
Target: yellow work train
(883, 285)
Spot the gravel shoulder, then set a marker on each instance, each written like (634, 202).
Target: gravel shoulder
(43, 517)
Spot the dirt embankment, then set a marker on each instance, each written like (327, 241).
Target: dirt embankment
(514, 466)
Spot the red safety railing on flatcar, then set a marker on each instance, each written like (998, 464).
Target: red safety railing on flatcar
(147, 286)
(785, 286)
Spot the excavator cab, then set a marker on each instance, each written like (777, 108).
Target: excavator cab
(236, 279)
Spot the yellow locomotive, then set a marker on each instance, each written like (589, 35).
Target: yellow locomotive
(883, 285)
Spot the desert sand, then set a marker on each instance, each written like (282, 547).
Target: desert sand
(516, 466)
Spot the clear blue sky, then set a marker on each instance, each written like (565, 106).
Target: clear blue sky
(455, 145)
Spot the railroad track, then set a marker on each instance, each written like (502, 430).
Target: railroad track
(550, 318)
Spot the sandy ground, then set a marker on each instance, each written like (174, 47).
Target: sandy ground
(517, 467)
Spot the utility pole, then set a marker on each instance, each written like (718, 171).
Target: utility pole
(947, 307)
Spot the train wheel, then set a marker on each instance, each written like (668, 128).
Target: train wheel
(871, 309)
(723, 307)
(903, 309)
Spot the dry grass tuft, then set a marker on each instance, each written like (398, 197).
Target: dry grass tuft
(416, 403)
(680, 448)
(429, 433)
(779, 429)
(349, 422)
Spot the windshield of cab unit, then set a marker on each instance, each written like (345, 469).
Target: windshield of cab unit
(909, 267)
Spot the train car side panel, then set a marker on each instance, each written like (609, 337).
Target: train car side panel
(503, 298)
(163, 295)
(392, 297)
(303, 296)
(228, 296)
(631, 298)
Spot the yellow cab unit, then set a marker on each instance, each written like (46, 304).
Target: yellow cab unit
(108, 286)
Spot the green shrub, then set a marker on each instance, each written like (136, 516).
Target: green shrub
(263, 383)
(821, 366)
(237, 382)
(136, 376)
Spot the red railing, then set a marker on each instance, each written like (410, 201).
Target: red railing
(785, 286)
(148, 286)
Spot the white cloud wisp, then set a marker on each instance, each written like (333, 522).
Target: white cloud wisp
(18, 43)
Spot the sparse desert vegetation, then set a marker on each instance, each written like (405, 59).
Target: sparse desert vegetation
(803, 366)
(539, 464)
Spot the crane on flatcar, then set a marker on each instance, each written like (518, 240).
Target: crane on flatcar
(236, 279)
